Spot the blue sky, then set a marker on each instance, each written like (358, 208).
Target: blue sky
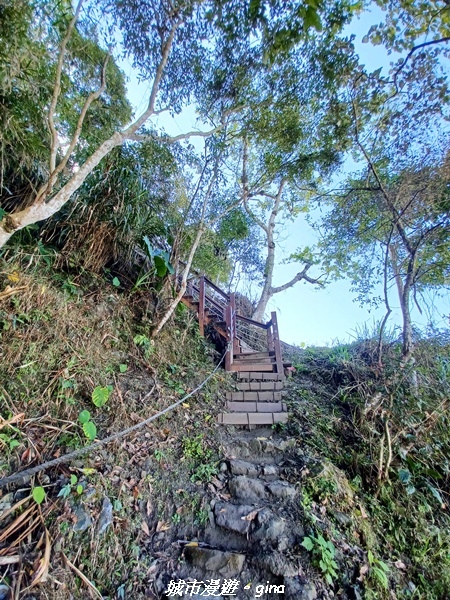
(308, 315)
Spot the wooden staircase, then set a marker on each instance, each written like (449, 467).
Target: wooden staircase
(253, 353)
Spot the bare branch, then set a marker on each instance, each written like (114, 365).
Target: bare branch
(391, 206)
(150, 110)
(301, 275)
(414, 49)
(245, 192)
(167, 139)
(76, 136)
(57, 88)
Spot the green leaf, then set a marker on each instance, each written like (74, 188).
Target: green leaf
(2, 213)
(80, 489)
(88, 471)
(116, 282)
(308, 543)
(13, 444)
(84, 416)
(64, 491)
(123, 368)
(435, 493)
(404, 475)
(38, 494)
(160, 266)
(100, 396)
(90, 430)
(73, 479)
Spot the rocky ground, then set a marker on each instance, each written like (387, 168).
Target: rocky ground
(254, 530)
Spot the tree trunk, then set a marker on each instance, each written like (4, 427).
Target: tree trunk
(175, 302)
(266, 293)
(4, 236)
(40, 211)
(408, 345)
(404, 295)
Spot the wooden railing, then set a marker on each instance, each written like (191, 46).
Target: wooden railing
(245, 335)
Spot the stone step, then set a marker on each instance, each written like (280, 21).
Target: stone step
(256, 386)
(254, 396)
(256, 367)
(274, 407)
(252, 490)
(252, 418)
(253, 375)
(268, 472)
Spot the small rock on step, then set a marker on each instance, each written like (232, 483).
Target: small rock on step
(246, 489)
(224, 564)
(270, 472)
(271, 528)
(241, 467)
(106, 516)
(278, 564)
(282, 489)
(83, 519)
(296, 590)
(232, 516)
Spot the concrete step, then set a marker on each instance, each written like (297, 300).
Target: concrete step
(256, 406)
(254, 396)
(257, 368)
(254, 375)
(256, 386)
(252, 418)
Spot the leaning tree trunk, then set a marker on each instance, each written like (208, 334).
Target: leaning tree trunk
(39, 211)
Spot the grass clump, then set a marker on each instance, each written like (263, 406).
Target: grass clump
(385, 427)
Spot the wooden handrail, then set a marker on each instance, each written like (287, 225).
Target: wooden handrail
(252, 322)
(217, 289)
(230, 316)
(276, 344)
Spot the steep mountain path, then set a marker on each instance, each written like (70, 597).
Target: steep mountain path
(251, 543)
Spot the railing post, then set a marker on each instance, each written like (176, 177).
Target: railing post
(277, 345)
(270, 337)
(230, 337)
(201, 306)
(236, 346)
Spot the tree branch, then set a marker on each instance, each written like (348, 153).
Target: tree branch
(129, 131)
(301, 275)
(245, 192)
(371, 166)
(386, 300)
(57, 88)
(142, 137)
(76, 136)
(414, 49)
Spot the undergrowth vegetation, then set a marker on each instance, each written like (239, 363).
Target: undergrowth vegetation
(77, 364)
(382, 432)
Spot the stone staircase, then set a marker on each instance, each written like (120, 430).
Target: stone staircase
(255, 522)
(257, 400)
